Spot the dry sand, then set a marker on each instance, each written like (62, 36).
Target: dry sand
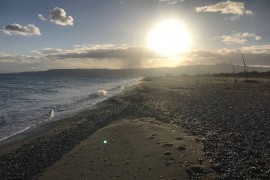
(135, 149)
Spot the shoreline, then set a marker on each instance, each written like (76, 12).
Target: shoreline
(24, 118)
(43, 125)
(51, 127)
(210, 109)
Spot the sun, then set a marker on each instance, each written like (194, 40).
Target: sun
(169, 38)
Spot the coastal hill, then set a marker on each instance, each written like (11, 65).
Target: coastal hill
(148, 72)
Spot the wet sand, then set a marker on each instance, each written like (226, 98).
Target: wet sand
(133, 149)
(225, 129)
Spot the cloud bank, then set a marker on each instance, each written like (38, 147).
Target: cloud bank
(124, 56)
(17, 29)
(254, 56)
(117, 57)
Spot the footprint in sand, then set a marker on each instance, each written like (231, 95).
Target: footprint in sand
(167, 145)
(181, 148)
(153, 136)
(168, 157)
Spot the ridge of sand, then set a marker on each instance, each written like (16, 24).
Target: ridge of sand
(133, 149)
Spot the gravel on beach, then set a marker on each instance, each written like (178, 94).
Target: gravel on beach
(232, 121)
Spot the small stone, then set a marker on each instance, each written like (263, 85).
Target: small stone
(114, 165)
(200, 161)
(167, 153)
(168, 145)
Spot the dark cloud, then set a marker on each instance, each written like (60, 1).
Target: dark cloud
(126, 53)
(16, 29)
(115, 57)
(59, 17)
(129, 57)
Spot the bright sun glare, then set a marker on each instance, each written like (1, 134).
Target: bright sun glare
(169, 38)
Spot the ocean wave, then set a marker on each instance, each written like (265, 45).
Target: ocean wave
(102, 93)
(51, 114)
(98, 94)
(116, 88)
(16, 133)
(35, 105)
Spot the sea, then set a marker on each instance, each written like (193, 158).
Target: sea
(27, 102)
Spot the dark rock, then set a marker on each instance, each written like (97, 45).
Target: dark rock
(167, 153)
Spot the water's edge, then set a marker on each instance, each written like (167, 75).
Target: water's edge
(34, 130)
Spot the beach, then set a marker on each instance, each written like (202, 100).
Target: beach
(163, 128)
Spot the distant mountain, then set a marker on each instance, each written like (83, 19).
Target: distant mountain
(113, 73)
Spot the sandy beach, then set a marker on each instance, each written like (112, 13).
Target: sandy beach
(133, 149)
(164, 128)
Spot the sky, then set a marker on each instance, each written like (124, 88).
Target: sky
(39, 35)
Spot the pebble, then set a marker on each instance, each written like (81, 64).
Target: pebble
(167, 153)
(233, 138)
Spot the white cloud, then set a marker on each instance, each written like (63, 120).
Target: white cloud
(248, 12)
(16, 29)
(238, 38)
(263, 49)
(170, 1)
(46, 51)
(41, 17)
(59, 17)
(15, 58)
(227, 7)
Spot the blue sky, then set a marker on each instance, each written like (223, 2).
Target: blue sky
(113, 33)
